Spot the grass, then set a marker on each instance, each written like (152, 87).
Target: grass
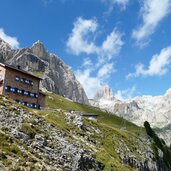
(8, 147)
(112, 129)
(39, 74)
(54, 101)
(29, 130)
(109, 125)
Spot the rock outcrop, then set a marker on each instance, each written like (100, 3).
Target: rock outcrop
(105, 92)
(57, 77)
(35, 142)
(154, 109)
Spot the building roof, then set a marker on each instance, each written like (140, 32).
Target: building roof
(89, 114)
(20, 70)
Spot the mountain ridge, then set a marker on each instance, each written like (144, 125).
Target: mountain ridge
(154, 109)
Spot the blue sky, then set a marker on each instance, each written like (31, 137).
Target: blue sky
(125, 44)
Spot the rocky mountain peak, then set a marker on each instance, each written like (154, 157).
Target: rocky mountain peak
(105, 92)
(57, 78)
(38, 49)
(154, 109)
(168, 92)
(4, 45)
(5, 48)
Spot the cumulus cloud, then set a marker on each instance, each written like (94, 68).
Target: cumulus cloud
(87, 62)
(78, 41)
(159, 65)
(112, 45)
(89, 82)
(94, 73)
(106, 70)
(10, 40)
(81, 40)
(152, 13)
(92, 78)
(125, 94)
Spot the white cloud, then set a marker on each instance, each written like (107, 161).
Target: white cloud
(112, 45)
(81, 40)
(87, 62)
(158, 65)
(11, 40)
(120, 2)
(152, 13)
(78, 41)
(90, 83)
(106, 70)
(126, 94)
(93, 73)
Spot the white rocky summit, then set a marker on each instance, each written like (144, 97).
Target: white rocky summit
(154, 109)
(105, 92)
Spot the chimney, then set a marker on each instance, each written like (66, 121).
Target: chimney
(18, 67)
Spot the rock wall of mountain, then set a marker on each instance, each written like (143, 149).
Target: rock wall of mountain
(57, 77)
(104, 92)
(154, 109)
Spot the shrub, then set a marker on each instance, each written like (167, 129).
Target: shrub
(27, 129)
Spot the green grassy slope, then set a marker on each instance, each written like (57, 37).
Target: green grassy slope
(103, 137)
(54, 101)
(109, 125)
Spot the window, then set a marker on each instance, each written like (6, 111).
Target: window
(12, 90)
(31, 82)
(15, 90)
(22, 80)
(17, 78)
(26, 93)
(19, 91)
(31, 105)
(7, 88)
(40, 107)
(32, 95)
(27, 81)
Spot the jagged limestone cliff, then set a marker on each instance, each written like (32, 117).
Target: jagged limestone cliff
(57, 77)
